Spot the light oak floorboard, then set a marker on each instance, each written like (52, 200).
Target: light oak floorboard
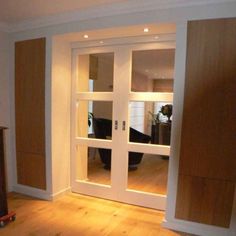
(74, 214)
(151, 175)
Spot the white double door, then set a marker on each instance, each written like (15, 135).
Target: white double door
(111, 99)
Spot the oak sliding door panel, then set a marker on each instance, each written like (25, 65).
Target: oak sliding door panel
(209, 118)
(29, 95)
(205, 201)
(207, 165)
(31, 170)
(30, 109)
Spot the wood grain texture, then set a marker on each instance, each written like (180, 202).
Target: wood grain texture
(207, 153)
(151, 175)
(209, 116)
(205, 200)
(30, 112)
(30, 95)
(31, 170)
(73, 215)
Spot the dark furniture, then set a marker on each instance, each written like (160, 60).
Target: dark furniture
(103, 129)
(3, 194)
(4, 215)
(161, 133)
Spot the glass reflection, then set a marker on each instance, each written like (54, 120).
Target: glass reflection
(95, 72)
(91, 165)
(150, 175)
(153, 70)
(94, 119)
(152, 119)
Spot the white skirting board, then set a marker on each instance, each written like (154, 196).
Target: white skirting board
(61, 193)
(33, 192)
(38, 193)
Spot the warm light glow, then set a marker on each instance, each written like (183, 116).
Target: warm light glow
(156, 37)
(85, 36)
(145, 30)
(101, 42)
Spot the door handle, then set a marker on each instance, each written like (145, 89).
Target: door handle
(116, 124)
(123, 125)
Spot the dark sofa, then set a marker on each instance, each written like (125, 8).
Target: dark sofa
(103, 129)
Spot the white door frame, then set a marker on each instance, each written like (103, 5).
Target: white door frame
(121, 96)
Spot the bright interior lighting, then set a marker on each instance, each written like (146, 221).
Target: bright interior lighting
(145, 30)
(85, 36)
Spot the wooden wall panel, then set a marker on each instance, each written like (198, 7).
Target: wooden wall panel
(30, 95)
(207, 165)
(205, 200)
(30, 112)
(31, 169)
(209, 118)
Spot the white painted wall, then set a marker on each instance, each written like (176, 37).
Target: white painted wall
(60, 115)
(5, 100)
(4, 67)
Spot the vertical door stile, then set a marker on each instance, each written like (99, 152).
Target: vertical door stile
(73, 115)
(122, 76)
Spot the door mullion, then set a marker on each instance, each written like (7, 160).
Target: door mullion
(122, 77)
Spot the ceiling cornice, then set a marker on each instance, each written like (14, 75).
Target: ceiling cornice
(104, 11)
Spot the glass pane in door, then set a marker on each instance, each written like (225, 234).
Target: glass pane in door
(153, 70)
(150, 122)
(148, 173)
(94, 119)
(95, 72)
(93, 164)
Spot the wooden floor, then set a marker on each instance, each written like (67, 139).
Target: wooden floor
(151, 175)
(76, 215)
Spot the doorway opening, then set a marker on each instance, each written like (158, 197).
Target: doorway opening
(121, 121)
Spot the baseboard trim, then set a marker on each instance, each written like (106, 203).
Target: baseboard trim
(197, 229)
(61, 193)
(38, 193)
(33, 192)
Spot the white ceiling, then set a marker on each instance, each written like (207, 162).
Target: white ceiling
(21, 15)
(16, 11)
(120, 32)
(13, 11)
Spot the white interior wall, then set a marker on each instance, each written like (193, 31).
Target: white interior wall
(60, 115)
(178, 15)
(4, 95)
